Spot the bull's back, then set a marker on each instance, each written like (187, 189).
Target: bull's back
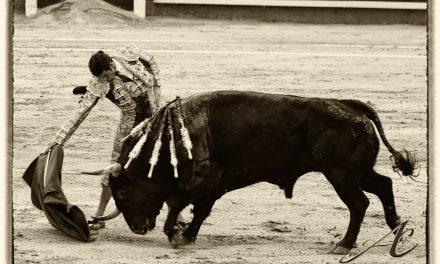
(259, 129)
(256, 131)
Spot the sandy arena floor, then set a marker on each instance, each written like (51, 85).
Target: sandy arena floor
(383, 65)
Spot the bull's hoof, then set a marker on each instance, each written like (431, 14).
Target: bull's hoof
(179, 239)
(340, 250)
(182, 226)
(398, 220)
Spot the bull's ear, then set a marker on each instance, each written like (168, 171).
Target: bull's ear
(80, 90)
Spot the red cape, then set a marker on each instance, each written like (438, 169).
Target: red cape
(44, 177)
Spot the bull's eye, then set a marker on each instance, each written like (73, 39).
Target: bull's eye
(121, 194)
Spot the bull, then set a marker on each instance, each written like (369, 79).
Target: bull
(242, 138)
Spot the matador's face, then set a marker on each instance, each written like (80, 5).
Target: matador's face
(108, 75)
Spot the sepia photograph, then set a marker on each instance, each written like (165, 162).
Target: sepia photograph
(220, 131)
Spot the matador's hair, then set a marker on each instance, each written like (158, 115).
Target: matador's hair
(99, 62)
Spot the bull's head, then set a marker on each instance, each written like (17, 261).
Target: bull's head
(136, 196)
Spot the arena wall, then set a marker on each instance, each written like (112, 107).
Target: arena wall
(297, 14)
(19, 5)
(124, 4)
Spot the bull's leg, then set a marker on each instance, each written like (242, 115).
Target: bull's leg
(350, 192)
(175, 206)
(382, 187)
(202, 209)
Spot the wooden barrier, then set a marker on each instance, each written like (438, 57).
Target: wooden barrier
(298, 11)
(304, 3)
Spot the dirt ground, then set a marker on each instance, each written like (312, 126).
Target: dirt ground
(383, 65)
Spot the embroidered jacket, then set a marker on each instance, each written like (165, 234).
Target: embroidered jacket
(137, 96)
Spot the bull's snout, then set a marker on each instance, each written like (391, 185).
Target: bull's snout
(140, 230)
(149, 225)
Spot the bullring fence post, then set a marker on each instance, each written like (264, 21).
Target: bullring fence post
(30, 8)
(143, 8)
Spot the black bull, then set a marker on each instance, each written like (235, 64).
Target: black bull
(241, 138)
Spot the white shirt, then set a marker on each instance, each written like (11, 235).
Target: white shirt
(122, 70)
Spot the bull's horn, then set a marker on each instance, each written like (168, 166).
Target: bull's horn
(96, 172)
(113, 169)
(110, 216)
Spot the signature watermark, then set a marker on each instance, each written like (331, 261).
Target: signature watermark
(401, 233)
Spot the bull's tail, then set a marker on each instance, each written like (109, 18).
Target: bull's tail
(404, 160)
